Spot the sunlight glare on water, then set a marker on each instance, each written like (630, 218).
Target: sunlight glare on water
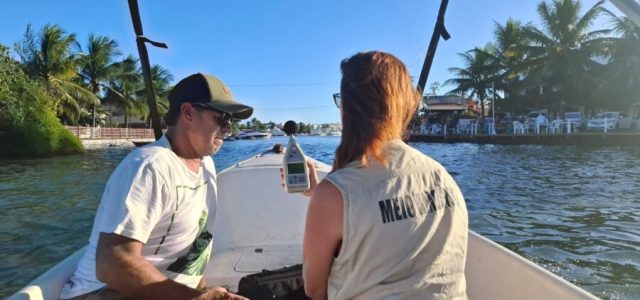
(575, 211)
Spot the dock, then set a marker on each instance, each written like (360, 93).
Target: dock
(630, 138)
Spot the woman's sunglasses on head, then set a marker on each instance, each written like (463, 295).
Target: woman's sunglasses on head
(337, 99)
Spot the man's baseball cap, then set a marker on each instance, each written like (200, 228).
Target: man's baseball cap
(207, 90)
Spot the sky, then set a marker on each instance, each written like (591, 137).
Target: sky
(281, 56)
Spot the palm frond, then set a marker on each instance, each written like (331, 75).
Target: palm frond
(75, 91)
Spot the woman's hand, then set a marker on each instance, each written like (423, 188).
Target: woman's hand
(313, 177)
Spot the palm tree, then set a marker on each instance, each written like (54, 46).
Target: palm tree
(477, 76)
(161, 78)
(435, 86)
(123, 87)
(508, 55)
(97, 65)
(560, 57)
(47, 57)
(622, 75)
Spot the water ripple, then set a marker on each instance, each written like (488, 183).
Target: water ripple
(573, 210)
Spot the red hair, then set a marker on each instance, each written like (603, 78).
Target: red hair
(378, 101)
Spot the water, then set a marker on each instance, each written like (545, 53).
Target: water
(575, 211)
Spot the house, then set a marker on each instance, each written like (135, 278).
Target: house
(115, 116)
(449, 103)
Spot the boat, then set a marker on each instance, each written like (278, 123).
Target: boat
(270, 237)
(253, 135)
(141, 143)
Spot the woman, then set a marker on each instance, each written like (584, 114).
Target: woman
(388, 222)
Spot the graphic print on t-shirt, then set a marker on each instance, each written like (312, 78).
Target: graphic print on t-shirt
(194, 262)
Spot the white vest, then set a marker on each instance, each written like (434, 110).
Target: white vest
(405, 230)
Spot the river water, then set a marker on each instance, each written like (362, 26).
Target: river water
(573, 210)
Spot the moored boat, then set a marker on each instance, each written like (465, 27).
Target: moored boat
(260, 226)
(253, 135)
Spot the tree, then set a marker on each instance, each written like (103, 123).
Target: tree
(304, 128)
(161, 79)
(97, 65)
(507, 55)
(47, 57)
(236, 126)
(257, 125)
(476, 77)
(622, 75)
(123, 87)
(435, 86)
(28, 126)
(560, 56)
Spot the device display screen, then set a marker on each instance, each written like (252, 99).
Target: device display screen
(297, 168)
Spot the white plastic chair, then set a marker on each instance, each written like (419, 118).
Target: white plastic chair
(570, 127)
(519, 128)
(473, 128)
(555, 127)
(463, 126)
(436, 129)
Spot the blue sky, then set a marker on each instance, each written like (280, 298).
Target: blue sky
(282, 57)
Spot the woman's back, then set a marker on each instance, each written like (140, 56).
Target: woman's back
(405, 230)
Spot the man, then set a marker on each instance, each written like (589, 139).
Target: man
(151, 237)
(541, 121)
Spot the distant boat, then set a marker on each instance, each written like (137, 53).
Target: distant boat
(140, 143)
(253, 135)
(277, 132)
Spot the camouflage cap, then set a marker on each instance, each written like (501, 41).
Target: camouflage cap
(207, 90)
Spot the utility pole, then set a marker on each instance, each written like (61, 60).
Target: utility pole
(493, 109)
(146, 67)
(438, 31)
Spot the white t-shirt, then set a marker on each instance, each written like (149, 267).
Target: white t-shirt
(154, 198)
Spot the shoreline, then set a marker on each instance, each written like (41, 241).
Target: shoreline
(93, 144)
(574, 139)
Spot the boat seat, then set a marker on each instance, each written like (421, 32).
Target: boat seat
(229, 265)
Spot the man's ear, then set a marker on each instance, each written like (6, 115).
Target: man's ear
(187, 110)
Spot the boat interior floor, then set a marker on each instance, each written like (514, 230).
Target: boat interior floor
(231, 264)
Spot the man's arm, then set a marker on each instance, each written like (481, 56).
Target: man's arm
(120, 265)
(202, 284)
(322, 238)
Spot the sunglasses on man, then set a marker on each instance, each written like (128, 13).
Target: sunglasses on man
(224, 118)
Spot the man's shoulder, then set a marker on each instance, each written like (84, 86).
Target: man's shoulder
(155, 155)
(208, 163)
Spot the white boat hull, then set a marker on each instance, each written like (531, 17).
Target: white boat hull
(259, 226)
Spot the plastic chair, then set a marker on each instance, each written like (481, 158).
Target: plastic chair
(519, 128)
(555, 127)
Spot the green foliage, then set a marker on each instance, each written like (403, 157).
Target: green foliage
(47, 56)
(28, 126)
(562, 62)
(45, 137)
(561, 54)
(304, 128)
(257, 125)
(477, 77)
(621, 77)
(467, 115)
